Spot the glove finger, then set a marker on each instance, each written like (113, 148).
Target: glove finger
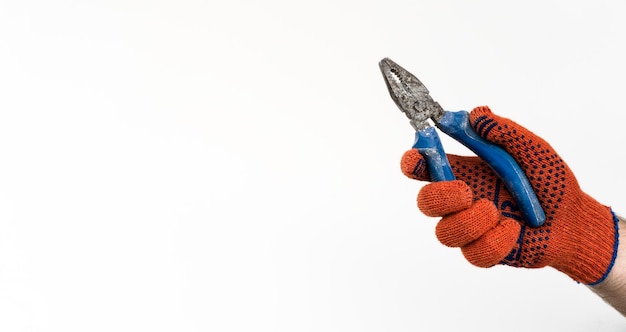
(413, 165)
(491, 248)
(461, 228)
(441, 198)
(523, 145)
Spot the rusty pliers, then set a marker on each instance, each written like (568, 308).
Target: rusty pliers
(414, 100)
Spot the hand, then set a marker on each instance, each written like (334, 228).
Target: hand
(479, 215)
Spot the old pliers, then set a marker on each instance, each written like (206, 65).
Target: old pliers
(412, 97)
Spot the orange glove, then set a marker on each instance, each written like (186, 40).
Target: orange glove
(579, 237)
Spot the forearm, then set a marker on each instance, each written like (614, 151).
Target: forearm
(613, 289)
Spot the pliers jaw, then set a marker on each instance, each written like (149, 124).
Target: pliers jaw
(410, 95)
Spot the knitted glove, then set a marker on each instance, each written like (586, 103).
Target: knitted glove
(478, 215)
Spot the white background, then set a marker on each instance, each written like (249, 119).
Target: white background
(234, 165)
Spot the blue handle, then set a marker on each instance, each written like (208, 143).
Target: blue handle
(427, 142)
(456, 125)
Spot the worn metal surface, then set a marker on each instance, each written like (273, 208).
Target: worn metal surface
(410, 95)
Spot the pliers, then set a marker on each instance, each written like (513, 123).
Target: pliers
(414, 100)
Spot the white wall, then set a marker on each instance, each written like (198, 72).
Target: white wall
(234, 165)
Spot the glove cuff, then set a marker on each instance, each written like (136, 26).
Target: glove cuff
(590, 250)
(615, 247)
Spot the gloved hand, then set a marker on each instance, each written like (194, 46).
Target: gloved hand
(478, 214)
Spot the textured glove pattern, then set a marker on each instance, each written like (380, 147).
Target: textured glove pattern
(479, 215)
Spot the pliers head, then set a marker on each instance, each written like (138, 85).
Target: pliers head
(410, 95)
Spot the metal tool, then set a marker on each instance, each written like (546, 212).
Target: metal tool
(414, 100)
